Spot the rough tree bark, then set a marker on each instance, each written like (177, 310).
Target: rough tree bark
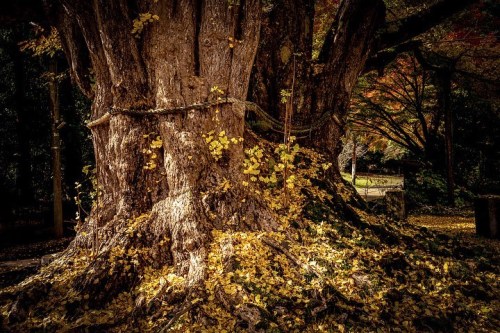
(56, 149)
(175, 62)
(324, 85)
(286, 38)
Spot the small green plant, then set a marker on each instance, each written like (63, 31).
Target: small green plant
(219, 142)
(252, 163)
(286, 165)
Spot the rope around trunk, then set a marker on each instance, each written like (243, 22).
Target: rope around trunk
(275, 124)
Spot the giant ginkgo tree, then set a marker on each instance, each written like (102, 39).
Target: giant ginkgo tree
(165, 78)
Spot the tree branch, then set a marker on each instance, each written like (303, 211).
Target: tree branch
(405, 29)
(395, 37)
(382, 58)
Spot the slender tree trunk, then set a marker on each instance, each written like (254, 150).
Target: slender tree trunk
(56, 149)
(73, 138)
(433, 149)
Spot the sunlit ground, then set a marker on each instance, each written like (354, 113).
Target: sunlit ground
(456, 226)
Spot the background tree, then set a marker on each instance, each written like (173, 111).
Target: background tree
(347, 152)
(401, 107)
(47, 44)
(18, 175)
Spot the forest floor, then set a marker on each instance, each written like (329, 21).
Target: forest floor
(22, 246)
(19, 261)
(462, 227)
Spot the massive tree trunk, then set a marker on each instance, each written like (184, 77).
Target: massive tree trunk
(174, 62)
(158, 170)
(162, 194)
